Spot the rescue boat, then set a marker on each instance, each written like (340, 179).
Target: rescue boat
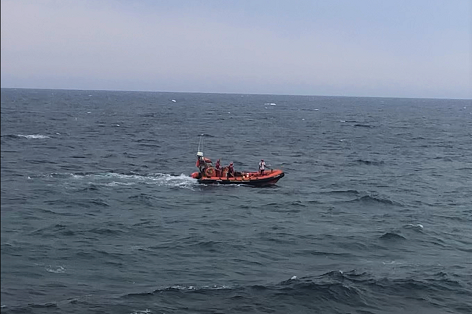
(211, 176)
(208, 174)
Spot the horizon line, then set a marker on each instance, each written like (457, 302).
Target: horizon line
(229, 93)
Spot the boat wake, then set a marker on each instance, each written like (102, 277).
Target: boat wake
(112, 179)
(27, 136)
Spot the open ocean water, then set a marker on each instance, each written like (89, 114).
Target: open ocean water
(99, 215)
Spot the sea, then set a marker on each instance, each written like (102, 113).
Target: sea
(99, 213)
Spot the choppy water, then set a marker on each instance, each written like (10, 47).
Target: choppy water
(99, 215)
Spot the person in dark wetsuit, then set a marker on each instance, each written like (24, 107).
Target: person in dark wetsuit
(230, 172)
(218, 168)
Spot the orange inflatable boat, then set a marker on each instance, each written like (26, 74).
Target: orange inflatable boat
(210, 175)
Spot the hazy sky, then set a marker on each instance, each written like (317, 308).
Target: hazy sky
(392, 48)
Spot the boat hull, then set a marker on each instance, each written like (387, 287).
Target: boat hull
(248, 178)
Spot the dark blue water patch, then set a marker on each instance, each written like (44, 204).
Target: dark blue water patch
(53, 231)
(370, 162)
(79, 203)
(392, 236)
(355, 192)
(377, 199)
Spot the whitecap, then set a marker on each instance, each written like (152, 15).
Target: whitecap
(415, 226)
(223, 287)
(214, 287)
(34, 136)
(179, 287)
(293, 278)
(173, 100)
(56, 270)
(115, 183)
(146, 311)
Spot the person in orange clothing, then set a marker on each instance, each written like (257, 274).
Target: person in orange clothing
(200, 163)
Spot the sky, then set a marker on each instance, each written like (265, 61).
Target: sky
(373, 48)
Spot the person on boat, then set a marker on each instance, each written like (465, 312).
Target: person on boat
(262, 166)
(230, 172)
(201, 162)
(218, 168)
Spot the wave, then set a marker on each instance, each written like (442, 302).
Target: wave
(207, 135)
(106, 231)
(370, 162)
(297, 203)
(356, 192)
(74, 203)
(59, 230)
(392, 236)
(373, 199)
(331, 292)
(53, 231)
(146, 311)
(415, 227)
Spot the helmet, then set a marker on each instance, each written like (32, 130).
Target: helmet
(262, 159)
(199, 154)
